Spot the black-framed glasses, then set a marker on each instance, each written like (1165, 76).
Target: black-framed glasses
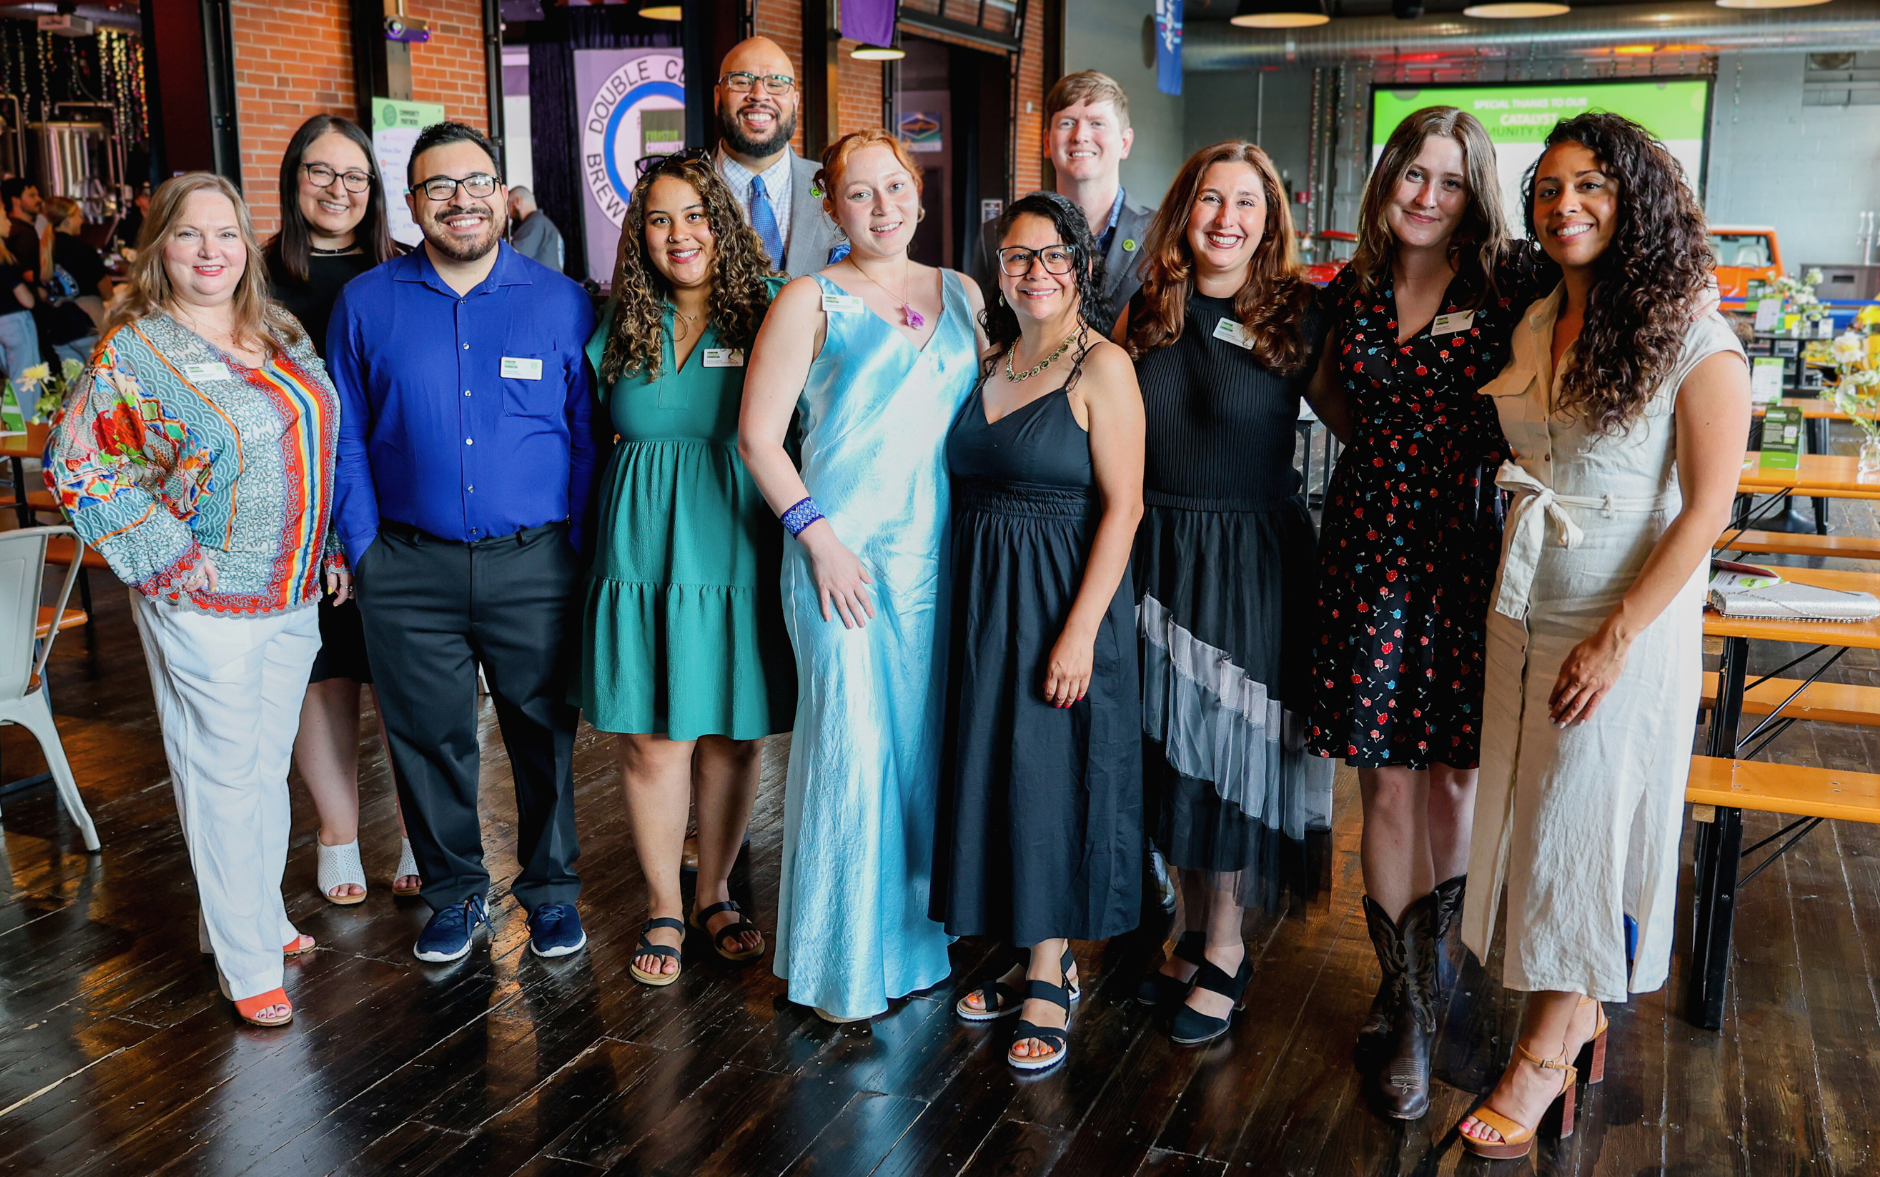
(741, 82)
(662, 160)
(442, 188)
(323, 177)
(1016, 260)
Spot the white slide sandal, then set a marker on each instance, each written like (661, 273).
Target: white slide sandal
(339, 865)
(407, 868)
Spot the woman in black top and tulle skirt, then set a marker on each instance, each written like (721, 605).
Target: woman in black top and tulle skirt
(1039, 837)
(1225, 333)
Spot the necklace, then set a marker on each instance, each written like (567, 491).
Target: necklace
(909, 315)
(1040, 366)
(316, 251)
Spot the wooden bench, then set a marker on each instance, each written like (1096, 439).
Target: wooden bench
(70, 619)
(59, 554)
(1718, 791)
(1823, 702)
(1796, 543)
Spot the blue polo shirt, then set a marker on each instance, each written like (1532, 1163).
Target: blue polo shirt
(467, 416)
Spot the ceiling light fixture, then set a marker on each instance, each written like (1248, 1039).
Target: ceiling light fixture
(1279, 14)
(892, 52)
(1516, 10)
(661, 10)
(1767, 3)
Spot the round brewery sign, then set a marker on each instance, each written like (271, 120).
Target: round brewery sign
(638, 110)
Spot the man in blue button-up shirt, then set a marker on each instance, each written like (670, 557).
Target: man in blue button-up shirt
(465, 454)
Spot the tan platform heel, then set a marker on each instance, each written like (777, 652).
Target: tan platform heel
(1596, 1065)
(1517, 1140)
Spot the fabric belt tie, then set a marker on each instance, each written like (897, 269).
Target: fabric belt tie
(1535, 505)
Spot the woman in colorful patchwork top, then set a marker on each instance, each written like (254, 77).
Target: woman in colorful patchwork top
(196, 456)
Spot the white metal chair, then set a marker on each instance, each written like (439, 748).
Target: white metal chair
(22, 683)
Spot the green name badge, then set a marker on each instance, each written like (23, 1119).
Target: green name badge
(1782, 438)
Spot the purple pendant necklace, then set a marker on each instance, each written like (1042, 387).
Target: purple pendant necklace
(909, 315)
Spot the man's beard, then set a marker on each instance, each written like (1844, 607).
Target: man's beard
(454, 247)
(735, 138)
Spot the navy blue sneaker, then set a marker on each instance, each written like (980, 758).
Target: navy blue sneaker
(451, 931)
(555, 930)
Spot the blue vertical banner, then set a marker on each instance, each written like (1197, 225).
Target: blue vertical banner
(1168, 46)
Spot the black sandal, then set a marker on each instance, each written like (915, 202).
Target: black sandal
(1000, 1000)
(1158, 988)
(647, 948)
(1058, 1040)
(733, 930)
(1191, 1027)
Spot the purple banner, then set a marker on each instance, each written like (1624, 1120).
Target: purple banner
(869, 21)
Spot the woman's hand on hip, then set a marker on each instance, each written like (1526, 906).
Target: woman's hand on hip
(202, 580)
(339, 584)
(1067, 674)
(841, 578)
(1588, 673)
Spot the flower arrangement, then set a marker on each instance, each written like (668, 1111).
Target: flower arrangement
(41, 392)
(1798, 294)
(1857, 393)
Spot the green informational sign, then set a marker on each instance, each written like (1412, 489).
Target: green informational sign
(1782, 438)
(395, 127)
(1518, 117)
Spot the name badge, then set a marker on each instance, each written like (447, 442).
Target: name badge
(724, 357)
(1452, 324)
(200, 372)
(1233, 333)
(842, 304)
(515, 368)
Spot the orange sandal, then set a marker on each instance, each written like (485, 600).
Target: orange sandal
(1517, 1140)
(249, 1008)
(299, 944)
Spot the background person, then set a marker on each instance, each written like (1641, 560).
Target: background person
(1633, 415)
(23, 205)
(1225, 333)
(333, 229)
(199, 386)
(531, 233)
(468, 526)
(1040, 829)
(876, 354)
(76, 286)
(757, 99)
(19, 337)
(685, 653)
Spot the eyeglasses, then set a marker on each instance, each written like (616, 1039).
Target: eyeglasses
(1016, 260)
(442, 188)
(671, 160)
(741, 82)
(323, 177)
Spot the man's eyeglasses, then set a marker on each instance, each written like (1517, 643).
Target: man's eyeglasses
(670, 160)
(442, 188)
(1016, 260)
(741, 82)
(323, 177)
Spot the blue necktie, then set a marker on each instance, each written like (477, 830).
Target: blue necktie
(764, 220)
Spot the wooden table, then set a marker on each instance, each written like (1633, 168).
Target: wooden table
(1814, 408)
(1719, 847)
(1819, 477)
(31, 444)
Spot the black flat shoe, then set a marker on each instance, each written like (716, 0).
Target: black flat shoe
(1058, 1040)
(1158, 988)
(1192, 1027)
(1000, 1000)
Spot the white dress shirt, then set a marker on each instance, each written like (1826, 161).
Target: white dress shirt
(777, 187)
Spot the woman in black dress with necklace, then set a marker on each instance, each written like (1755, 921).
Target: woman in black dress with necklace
(333, 229)
(1225, 333)
(1039, 838)
(1412, 535)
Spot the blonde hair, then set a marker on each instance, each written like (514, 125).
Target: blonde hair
(1087, 86)
(258, 318)
(835, 161)
(58, 208)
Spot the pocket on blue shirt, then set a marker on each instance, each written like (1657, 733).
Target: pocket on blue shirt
(544, 397)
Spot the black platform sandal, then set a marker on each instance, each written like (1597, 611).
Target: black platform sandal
(1000, 1000)
(733, 930)
(647, 948)
(1192, 1027)
(1057, 1040)
(1158, 988)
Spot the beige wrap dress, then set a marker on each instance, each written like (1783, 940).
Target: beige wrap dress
(1582, 823)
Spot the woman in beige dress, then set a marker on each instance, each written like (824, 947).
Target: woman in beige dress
(1627, 418)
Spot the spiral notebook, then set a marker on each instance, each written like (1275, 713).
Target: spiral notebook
(1748, 591)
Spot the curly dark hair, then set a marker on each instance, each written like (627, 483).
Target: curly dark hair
(1000, 320)
(1645, 281)
(636, 335)
(1273, 302)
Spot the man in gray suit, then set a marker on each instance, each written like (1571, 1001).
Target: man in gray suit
(1087, 137)
(758, 99)
(531, 233)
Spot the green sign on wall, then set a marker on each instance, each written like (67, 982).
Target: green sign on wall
(1523, 113)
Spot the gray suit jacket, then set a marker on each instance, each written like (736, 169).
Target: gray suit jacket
(812, 233)
(1122, 275)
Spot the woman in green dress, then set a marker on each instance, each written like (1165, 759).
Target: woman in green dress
(686, 656)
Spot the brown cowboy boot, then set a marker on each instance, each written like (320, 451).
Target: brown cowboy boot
(1400, 1087)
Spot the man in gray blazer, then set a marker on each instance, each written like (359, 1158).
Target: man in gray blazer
(758, 99)
(1087, 137)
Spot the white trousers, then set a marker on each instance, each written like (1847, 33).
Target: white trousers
(228, 694)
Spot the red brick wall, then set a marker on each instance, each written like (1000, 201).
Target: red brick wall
(1031, 88)
(293, 60)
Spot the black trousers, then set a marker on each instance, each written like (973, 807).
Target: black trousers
(433, 610)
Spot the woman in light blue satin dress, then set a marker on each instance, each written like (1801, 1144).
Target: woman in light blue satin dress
(877, 354)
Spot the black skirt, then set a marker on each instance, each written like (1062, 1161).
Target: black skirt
(342, 644)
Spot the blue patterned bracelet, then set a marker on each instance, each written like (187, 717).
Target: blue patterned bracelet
(801, 516)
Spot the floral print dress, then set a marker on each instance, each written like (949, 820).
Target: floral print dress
(1412, 524)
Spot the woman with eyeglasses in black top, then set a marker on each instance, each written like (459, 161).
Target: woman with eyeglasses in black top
(333, 229)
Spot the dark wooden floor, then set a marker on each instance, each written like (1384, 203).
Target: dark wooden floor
(118, 1057)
